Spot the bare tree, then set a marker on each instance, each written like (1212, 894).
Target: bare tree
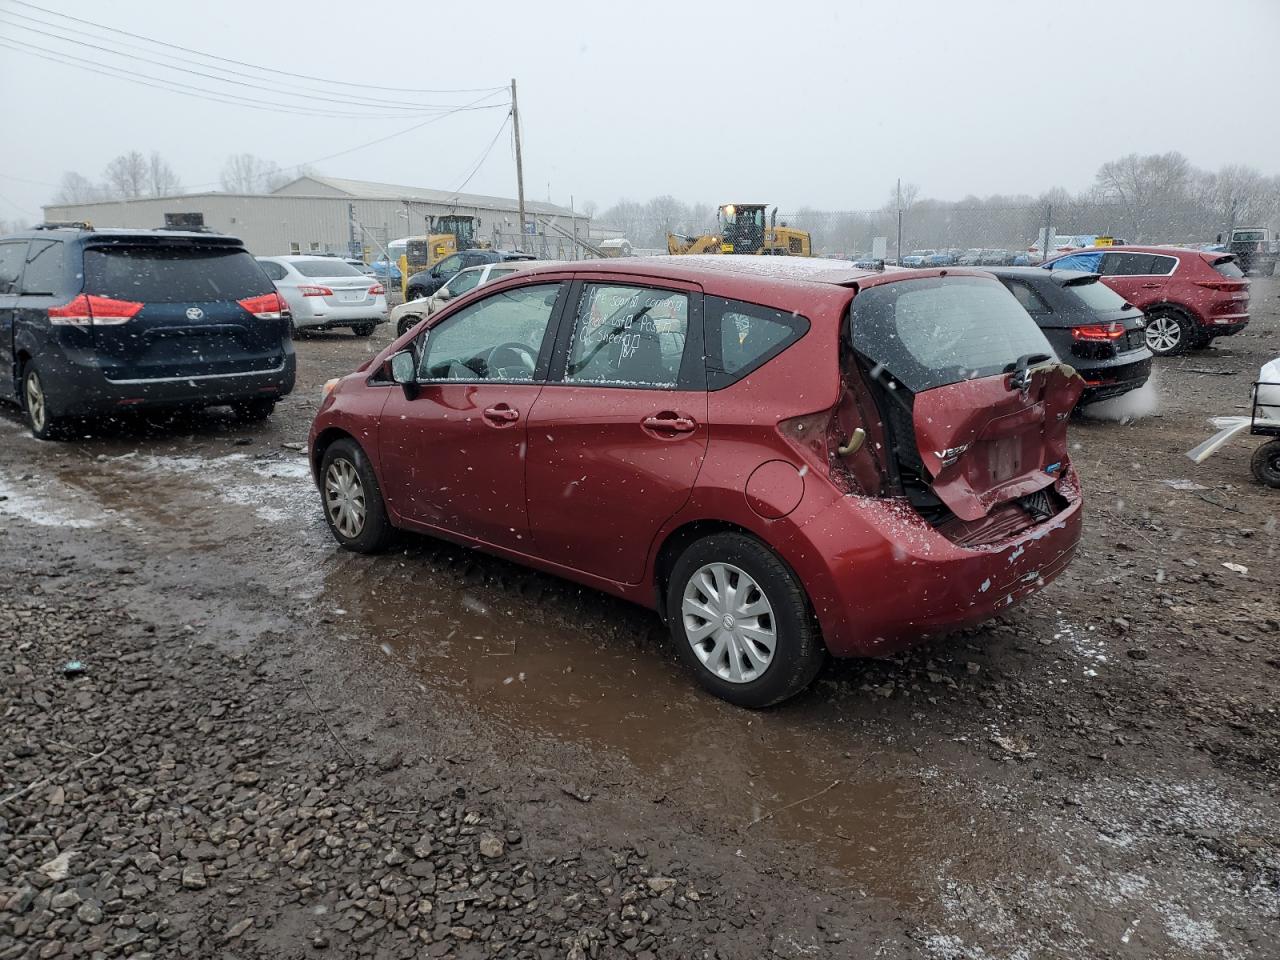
(77, 188)
(164, 181)
(127, 175)
(1142, 186)
(249, 173)
(589, 208)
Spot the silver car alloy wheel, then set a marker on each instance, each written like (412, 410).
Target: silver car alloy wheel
(729, 622)
(1164, 333)
(34, 392)
(344, 497)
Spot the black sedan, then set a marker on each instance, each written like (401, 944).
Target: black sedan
(427, 282)
(1089, 324)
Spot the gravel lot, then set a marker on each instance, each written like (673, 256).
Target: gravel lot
(274, 749)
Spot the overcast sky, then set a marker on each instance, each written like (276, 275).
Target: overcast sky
(818, 104)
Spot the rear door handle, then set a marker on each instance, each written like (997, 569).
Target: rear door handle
(1150, 286)
(502, 414)
(674, 424)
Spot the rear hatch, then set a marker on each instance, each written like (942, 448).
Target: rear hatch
(1229, 290)
(187, 308)
(1115, 327)
(974, 398)
(347, 286)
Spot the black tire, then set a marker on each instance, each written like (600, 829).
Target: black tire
(363, 329)
(1266, 464)
(1170, 332)
(414, 293)
(798, 652)
(35, 404)
(406, 323)
(253, 411)
(374, 532)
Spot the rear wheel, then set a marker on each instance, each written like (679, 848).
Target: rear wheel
(252, 411)
(35, 402)
(1169, 332)
(363, 329)
(353, 505)
(741, 622)
(1266, 463)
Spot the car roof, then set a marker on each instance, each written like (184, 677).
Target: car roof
(1062, 278)
(123, 233)
(1127, 248)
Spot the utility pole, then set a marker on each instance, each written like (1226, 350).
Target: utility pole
(1048, 232)
(899, 221)
(515, 123)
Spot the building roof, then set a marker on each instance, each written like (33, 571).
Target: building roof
(370, 190)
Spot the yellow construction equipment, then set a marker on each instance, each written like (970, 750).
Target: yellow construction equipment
(449, 234)
(743, 230)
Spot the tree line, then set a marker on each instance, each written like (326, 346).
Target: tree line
(132, 175)
(1152, 198)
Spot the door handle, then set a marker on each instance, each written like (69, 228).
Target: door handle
(502, 414)
(674, 424)
(1150, 286)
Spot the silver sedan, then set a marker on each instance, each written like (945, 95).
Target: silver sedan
(327, 292)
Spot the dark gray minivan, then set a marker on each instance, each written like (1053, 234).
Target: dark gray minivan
(96, 322)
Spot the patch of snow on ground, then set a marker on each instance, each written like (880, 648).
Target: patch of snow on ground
(1087, 644)
(49, 503)
(279, 491)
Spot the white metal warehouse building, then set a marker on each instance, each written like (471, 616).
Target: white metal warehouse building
(315, 214)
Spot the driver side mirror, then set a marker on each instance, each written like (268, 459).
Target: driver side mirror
(404, 371)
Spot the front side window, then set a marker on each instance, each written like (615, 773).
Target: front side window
(461, 283)
(746, 336)
(449, 265)
(1088, 262)
(628, 336)
(933, 331)
(44, 267)
(497, 339)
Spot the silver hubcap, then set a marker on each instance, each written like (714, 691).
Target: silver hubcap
(729, 623)
(35, 401)
(1163, 334)
(344, 498)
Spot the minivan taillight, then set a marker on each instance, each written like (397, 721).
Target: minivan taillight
(1098, 332)
(266, 307)
(87, 309)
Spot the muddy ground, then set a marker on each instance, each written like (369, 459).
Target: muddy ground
(276, 749)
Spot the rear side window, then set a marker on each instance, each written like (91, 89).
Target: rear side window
(743, 336)
(12, 255)
(628, 336)
(1228, 268)
(1098, 297)
(933, 331)
(44, 267)
(173, 274)
(273, 270)
(1137, 265)
(321, 267)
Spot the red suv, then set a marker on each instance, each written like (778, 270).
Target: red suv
(785, 458)
(1189, 297)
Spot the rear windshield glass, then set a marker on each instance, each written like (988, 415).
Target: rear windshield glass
(321, 267)
(938, 330)
(1229, 268)
(1098, 296)
(173, 274)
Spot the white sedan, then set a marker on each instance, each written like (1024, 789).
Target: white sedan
(407, 315)
(327, 292)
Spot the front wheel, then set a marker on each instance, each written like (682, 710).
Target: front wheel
(35, 402)
(1169, 332)
(406, 323)
(1266, 464)
(353, 505)
(741, 621)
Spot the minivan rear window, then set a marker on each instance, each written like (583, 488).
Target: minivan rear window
(932, 331)
(173, 274)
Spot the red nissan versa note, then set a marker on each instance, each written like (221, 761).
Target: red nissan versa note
(786, 458)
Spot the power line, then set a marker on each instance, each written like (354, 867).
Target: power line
(483, 157)
(241, 63)
(345, 101)
(202, 93)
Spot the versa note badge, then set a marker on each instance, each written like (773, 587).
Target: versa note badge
(195, 313)
(951, 454)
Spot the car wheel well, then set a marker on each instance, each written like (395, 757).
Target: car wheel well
(327, 438)
(676, 543)
(21, 359)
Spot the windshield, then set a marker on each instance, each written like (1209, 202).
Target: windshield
(933, 331)
(1248, 236)
(173, 274)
